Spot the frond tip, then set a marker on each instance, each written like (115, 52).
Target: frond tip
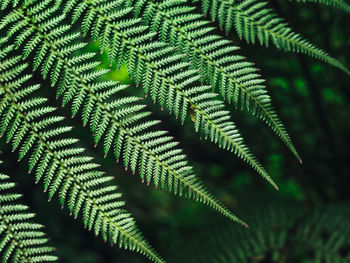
(231, 74)
(256, 22)
(21, 239)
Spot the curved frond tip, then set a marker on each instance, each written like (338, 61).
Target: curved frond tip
(231, 74)
(254, 21)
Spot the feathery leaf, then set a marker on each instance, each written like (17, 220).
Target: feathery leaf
(34, 130)
(121, 123)
(232, 75)
(22, 239)
(256, 22)
(163, 73)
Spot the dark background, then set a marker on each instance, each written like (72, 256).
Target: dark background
(312, 100)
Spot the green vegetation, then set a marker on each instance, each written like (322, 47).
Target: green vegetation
(122, 67)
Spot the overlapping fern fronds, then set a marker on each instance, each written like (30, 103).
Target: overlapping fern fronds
(235, 78)
(254, 21)
(161, 71)
(34, 130)
(122, 124)
(179, 59)
(21, 238)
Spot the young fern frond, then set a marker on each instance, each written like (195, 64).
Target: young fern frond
(34, 130)
(230, 74)
(256, 22)
(21, 238)
(340, 4)
(162, 72)
(121, 123)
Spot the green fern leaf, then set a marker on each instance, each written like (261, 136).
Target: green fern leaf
(235, 78)
(255, 22)
(121, 123)
(164, 75)
(59, 164)
(22, 239)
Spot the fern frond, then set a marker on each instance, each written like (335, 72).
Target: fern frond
(232, 75)
(326, 234)
(34, 130)
(268, 232)
(256, 22)
(120, 123)
(276, 232)
(22, 239)
(340, 4)
(162, 73)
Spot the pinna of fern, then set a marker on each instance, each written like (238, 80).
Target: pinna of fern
(35, 130)
(235, 78)
(161, 71)
(22, 239)
(121, 123)
(254, 21)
